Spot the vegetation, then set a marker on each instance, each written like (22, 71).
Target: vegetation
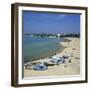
(77, 35)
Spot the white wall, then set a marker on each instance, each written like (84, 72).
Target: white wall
(5, 44)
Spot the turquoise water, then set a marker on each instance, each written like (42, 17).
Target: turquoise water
(36, 48)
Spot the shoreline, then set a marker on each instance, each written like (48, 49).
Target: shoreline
(71, 49)
(60, 49)
(48, 54)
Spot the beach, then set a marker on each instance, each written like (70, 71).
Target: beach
(71, 66)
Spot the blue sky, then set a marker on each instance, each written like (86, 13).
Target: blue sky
(44, 22)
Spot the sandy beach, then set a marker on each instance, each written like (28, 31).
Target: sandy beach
(71, 66)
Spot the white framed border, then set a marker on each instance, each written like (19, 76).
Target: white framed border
(33, 80)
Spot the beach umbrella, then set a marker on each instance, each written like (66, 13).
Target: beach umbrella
(40, 67)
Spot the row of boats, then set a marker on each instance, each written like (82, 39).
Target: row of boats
(43, 65)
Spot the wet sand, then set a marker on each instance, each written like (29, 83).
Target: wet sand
(70, 67)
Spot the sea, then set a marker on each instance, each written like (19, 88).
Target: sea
(35, 48)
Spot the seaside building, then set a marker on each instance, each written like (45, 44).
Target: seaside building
(58, 35)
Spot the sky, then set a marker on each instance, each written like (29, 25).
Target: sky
(53, 23)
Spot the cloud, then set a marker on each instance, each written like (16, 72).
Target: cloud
(58, 16)
(61, 16)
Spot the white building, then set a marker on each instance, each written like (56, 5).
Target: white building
(58, 35)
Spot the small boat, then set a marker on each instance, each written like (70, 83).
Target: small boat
(29, 66)
(65, 57)
(40, 67)
(57, 60)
